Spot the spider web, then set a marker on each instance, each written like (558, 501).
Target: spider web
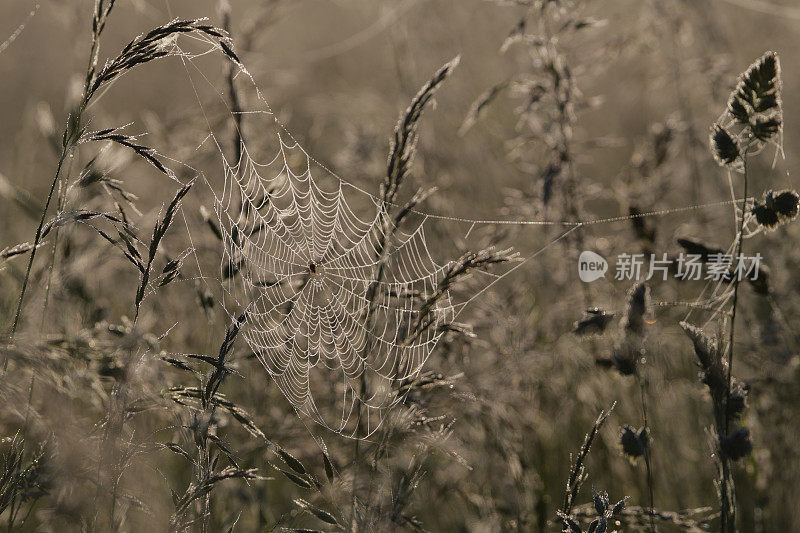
(330, 295)
(330, 286)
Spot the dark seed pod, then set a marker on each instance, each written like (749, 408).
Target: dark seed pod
(594, 322)
(723, 146)
(573, 526)
(695, 247)
(737, 400)
(785, 202)
(737, 109)
(737, 445)
(618, 507)
(626, 357)
(758, 90)
(761, 283)
(633, 322)
(601, 503)
(766, 128)
(634, 443)
(765, 216)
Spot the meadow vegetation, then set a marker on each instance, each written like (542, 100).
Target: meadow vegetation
(517, 133)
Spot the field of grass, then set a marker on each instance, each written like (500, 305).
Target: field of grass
(320, 265)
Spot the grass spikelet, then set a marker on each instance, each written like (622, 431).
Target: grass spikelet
(456, 271)
(404, 142)
(155, 44)
(159, 231)
(723, 146)
(479, 106)
(577, 474)
(709, 357)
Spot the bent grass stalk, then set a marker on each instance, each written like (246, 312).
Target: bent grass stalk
(70, 139)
